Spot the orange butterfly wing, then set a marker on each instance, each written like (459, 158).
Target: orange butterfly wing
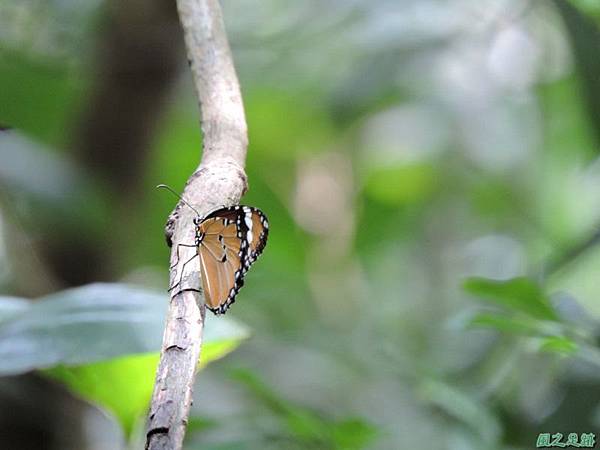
(229, 241)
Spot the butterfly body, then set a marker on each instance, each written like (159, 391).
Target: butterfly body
(228, 241)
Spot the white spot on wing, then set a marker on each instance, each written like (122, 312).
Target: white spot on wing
(248, 220)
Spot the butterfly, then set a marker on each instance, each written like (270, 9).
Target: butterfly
(228, 241)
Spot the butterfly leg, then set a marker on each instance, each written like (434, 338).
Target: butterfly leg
(180, 245)
(182, 267)
(181, 276)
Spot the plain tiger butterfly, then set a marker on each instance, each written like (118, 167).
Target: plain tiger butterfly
(228, 241)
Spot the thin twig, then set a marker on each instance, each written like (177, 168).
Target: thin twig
(218, 181)
(569, 255)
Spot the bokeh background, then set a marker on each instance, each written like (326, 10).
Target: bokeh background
(431, 175)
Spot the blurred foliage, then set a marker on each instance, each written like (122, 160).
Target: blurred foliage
(122, 386)
(78, 335)
(430, 172)
(301, 427)
(518, 294)
(530, 312)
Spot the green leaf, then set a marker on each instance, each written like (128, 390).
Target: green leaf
(123, 386)
(353, 434)
(84, 335)
(517, 294)
(306, 426)
(82, 325)
(93, 323)
(559, 344)
(512, 325)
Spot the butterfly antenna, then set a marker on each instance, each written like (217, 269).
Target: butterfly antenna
(164, 186)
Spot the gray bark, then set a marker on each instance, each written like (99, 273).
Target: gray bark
(218, 181)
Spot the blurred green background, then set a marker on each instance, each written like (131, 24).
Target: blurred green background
(430, 172)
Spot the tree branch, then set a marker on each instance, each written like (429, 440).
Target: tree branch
(218, 181)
